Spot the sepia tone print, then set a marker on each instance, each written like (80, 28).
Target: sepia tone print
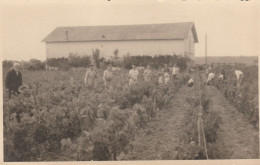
(169, 88)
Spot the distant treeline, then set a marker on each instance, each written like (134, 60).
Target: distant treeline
(248, 60)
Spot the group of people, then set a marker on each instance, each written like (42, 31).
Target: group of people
(166, 75)
(14, 77)
(222, 75)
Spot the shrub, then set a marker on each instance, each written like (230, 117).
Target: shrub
(155, 61)
(79, 61)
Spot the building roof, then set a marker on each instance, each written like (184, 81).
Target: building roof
(167, 31)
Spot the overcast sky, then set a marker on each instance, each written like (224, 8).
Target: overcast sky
(231, 27)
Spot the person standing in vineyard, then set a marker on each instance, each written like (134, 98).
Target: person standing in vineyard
(107, 77)
(166, 69)
(239, 75)
(133, 74)
(90, 77)
(175, 73)
(148, 74)
(13, 80)
(166, 74)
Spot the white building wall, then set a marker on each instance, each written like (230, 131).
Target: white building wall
(107, 48)
(189, 45)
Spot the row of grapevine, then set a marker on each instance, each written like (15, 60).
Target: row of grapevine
(69, 122)
(244, 98)
(191, 147)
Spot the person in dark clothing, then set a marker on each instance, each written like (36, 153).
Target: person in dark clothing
(13, 80)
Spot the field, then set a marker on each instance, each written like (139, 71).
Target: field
(58, 119)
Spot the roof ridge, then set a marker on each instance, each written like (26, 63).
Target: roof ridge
(125, 25)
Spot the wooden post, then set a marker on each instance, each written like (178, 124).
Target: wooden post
(71, 81)
(206, 58)
(199, 131)
(35, 92)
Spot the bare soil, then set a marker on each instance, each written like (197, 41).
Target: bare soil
(237, 138)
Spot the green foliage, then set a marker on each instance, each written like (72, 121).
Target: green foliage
(67, 63)
(245, 98)
(58, 62)
(155, 61)
(7, 64)
(79, 61)
(36, 65)
(32, 65)
(57, 119)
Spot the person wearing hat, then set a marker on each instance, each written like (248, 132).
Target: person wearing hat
(13, 80)
(133, 74)
(90, 77)
(107, 77)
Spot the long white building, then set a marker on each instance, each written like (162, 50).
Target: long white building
(147, 39)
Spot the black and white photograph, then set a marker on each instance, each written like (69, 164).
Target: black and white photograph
(140, 80)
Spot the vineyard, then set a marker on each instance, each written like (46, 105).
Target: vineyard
(59, 119)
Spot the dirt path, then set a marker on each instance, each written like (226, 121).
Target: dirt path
(236, 136)
(237, 139)
(158, 140)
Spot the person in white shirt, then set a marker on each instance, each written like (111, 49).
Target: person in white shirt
(147, 74)
(239, 75)
(107, 77)
(190, 82)
(221, 76)
(211, 76)
(90, 77)
(175, 71)
(133, 74)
